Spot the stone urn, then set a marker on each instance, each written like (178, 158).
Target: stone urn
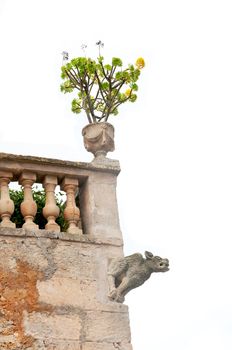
(99, 139)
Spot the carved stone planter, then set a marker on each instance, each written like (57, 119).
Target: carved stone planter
(99, 139)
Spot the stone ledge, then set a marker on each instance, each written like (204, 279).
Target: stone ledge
(63, 236)
(109, 308)
(106, 346)
(50, 344)
(109, 165)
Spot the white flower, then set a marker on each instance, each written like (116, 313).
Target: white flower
(83, 47)
(100, 43)
(65, 55)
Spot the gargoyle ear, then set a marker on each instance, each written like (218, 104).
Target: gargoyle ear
(148, 255)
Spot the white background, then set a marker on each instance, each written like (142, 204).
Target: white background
(174, 144)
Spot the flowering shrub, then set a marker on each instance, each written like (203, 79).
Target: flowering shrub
(101, 87)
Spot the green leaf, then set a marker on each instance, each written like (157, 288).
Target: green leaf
(134, 87)
(116, 62)
(78, 61)
(135, 75)
(107, 67)
(104, 86)
(115, 111)
(76, 106)
(66, 87)
(100, 59)
(90, 67)
(122, 97)
(119, 75)
(68, 66)
(133, 98)
(126, 76)
(63, 72)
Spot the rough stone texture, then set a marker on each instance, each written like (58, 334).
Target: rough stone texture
(98, 199)
(58, 327)
(99, 138)
(107, 327)
(58, 345)
(53, 285)
(105, 346)
(66, 291)
(54, 292)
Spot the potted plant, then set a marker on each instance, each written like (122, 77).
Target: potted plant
(101, 88)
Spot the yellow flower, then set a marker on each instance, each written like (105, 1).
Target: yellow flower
(128, 92)
(140, 63)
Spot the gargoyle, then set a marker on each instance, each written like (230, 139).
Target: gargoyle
(131, 272)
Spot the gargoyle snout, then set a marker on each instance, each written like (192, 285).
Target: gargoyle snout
(165, 264)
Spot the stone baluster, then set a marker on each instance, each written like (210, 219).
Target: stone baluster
(28, 207)
(6, 204)
(71, 212)
(51, 210)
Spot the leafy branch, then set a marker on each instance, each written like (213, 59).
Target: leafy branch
(100, 85)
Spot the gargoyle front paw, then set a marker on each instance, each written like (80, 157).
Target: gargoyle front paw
(119, 298)
(113, 294)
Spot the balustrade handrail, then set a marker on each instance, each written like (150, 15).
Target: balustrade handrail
(28, 170)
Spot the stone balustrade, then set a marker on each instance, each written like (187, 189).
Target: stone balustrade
(94, 183)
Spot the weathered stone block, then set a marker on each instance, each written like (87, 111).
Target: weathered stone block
(42, 326)
(71, 262)
(13, 249)
(66, 291)
(107, 327)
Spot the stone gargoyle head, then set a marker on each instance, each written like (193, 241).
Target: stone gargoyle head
(156, 263)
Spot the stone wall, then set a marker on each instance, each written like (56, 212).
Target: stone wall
(53, 292)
